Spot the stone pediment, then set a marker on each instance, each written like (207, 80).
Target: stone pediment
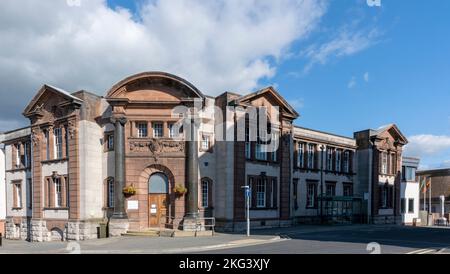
(51, 103)
(153, 87)
(268, 96)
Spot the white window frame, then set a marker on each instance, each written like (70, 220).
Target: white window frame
(17, 147)
(57, 144)
(311, 155)
(205, 193)
(346, 161)
(338, 160)
(18, 194)
(58, 191)
(158, 130)
(171, 128)
(142, 129)
(310, 195)
(25, 153)
(300, 155)
(261, 193)
(384, 162)
(330, 159)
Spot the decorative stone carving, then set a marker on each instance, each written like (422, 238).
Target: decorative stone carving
(35, 137)
(157, 146)
(72, 129)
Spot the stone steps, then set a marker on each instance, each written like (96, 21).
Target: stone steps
(147, 233)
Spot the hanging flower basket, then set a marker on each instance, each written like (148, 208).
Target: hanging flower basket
(180, 190)
(129, 190)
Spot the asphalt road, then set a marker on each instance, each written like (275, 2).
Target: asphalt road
(353, 240)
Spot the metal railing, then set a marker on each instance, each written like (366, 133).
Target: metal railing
(201, 224)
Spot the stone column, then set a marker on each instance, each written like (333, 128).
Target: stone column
(119, 178)
(118, 224)
(192, 172)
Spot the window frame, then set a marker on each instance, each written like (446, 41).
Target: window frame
(58, 143)
(110, 190)
(204, 194)
(141, 128)
(57, 185)
(311, 200)
(156, 126)
(261, 190)
(411, 208)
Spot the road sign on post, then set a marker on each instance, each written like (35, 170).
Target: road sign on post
(248, 194)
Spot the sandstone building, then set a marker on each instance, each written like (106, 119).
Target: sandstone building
(157, 152)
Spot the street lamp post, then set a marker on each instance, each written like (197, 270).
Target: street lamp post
(322, 148)
(247, 207)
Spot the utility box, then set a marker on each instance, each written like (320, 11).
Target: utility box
(102, 231)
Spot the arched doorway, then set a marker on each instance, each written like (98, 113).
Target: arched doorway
(158, 198)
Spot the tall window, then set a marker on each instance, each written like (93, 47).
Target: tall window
(301, 155)
(142, 130)
(338, 160)
(248, 149)
(205, 142)
(331, 189)
(205, 193)
(392, 163)
(26, 154)
(311, 195)
(384, 162)
(17, 189)
(275, 148)
(346, 161)
(295, 192)
(58, 192)
(410, 205)
(47, 144)
(260, 193)
(110, 187)
(110, 142)
(157, 130)
(57, 133)
(17, 150)
(329, 158)
(172, 133)
(311, 156)
(66, 131)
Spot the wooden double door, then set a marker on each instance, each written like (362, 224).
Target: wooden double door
(157, 207)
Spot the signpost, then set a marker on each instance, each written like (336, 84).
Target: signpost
(247, 207)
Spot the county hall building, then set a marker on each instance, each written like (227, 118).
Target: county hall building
(156, 152)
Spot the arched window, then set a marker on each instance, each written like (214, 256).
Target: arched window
(158, 184)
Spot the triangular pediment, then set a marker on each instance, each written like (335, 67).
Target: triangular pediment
(49, 99)
(393, 131)
(273, 96)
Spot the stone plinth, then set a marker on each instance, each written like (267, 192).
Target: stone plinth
(117, 227)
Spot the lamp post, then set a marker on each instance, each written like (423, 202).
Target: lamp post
(322, 149)
(247, 207)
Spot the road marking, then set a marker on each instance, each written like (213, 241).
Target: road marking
(422, 251)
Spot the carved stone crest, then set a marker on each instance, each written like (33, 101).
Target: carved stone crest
(157, 146)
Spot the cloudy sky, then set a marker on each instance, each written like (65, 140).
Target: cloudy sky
(345, 65)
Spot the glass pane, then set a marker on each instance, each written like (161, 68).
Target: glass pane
(158, 183)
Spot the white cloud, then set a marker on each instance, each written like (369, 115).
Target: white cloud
(366, 77)
(345, 43)
(352, 83)
(427, 145)
(217, 45)
(297, 103)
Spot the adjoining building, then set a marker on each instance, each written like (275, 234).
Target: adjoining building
(379, 172)
(324, 178)
(438, 185)
(156, 152)
(409, 190)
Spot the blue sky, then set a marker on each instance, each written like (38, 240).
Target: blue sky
(345, 66)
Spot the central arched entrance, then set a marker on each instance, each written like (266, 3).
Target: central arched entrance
(158, 198)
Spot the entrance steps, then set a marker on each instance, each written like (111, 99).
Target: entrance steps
(169, 233)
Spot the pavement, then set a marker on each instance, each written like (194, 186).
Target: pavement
(307, 239)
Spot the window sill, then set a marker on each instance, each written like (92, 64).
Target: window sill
(56, 208)
(18, 169)
(55, 161)
(17, 208)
